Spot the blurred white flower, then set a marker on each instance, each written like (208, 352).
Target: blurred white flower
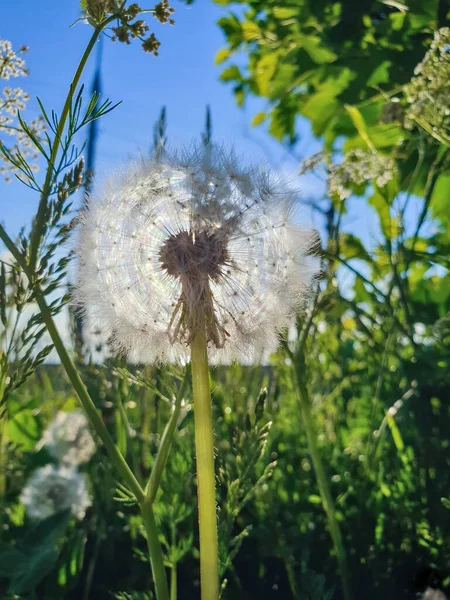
(52, 489)
(190, 238)
(68, 438)
(359, 166)
(432, 594)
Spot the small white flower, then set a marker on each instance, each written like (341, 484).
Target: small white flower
(188, 239)
(13, 100)
(68, 438)
(428, 92)
(358, 167)
(52, 489)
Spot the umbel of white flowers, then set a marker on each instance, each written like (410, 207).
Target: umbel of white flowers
(68, 438)
(193, 239)
(52, 489)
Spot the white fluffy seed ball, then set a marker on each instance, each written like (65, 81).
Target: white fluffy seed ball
(188, 240)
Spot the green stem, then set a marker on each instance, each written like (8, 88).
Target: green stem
(39, 221)
(166, 441)
(95, 419)
(209, 549)
(72, 373)
(155, 552)
(322, 481)
(173, 582)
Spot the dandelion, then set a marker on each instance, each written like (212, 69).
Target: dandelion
(192, 237)
(53, 489)
(194, 253)
(68, 438)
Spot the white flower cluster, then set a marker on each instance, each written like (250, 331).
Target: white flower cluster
(11, 63)
(52, 489)
(193, 240)
(312, 162)
(68, 438)
(13, 100)
(428, 93)
(358, 167)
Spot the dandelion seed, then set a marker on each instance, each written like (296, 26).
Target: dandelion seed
(53, 489)
(189, 238)
(68, 438)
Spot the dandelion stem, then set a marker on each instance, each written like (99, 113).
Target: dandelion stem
(322, 481)
(209, 549)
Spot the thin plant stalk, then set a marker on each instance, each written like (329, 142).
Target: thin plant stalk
(204, 446)
(155, 552)
(322, 481)
(119, 462)
(38, 224)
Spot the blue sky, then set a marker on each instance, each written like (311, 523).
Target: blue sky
(183, 78)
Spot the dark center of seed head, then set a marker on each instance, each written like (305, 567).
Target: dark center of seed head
(191, 255)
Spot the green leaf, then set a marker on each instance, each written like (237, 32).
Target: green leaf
(231, 73)
(222, 55)
(360, 124)
(361, 294)
(48, 532)
(259, 118)
(264, 72)
(318, 53)
(320, 108)
(380, 74)
(251, 31)
(395, 431)
(24, 430)
(352, 247)
(314, 499)
(38, 566)
(284, 12)
(12, 561)
(378, 201)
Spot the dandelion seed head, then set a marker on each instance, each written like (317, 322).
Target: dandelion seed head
(52, 489)
(68, 438)
(188, 240)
